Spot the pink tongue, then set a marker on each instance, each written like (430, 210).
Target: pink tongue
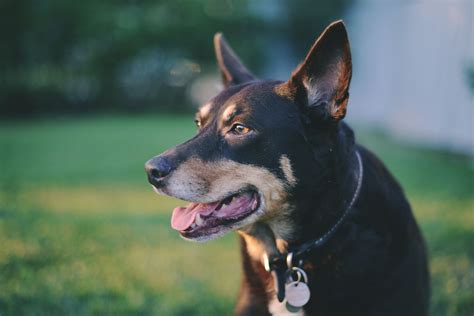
(238, 205)
(183, 217)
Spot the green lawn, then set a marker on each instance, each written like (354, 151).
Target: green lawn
(81, 231)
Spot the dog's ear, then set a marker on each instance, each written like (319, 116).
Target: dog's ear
(232, 69)
(320, 84)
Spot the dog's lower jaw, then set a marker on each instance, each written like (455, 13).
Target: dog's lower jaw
(228, 228)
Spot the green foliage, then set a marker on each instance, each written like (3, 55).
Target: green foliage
(81, 231)
(76, 56)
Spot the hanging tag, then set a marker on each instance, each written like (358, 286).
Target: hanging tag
(297, 293)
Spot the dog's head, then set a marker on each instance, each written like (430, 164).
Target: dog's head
(260, 144)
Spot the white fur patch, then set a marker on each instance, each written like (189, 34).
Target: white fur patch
(285, 165)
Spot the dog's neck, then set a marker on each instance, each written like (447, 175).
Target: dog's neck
(317, 213)
(320, 204)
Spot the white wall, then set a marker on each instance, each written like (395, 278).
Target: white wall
(410, 60)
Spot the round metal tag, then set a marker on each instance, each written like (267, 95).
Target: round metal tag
(297, 294)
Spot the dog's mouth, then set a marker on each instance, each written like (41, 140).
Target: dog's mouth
(197, 220)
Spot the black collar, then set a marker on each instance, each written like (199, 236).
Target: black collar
(280, 264)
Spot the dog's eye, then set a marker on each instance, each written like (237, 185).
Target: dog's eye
(198, 123)
(240, 129)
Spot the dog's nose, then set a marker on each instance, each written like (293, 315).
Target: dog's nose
(157, 168)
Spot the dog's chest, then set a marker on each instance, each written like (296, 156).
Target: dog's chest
(255, 250)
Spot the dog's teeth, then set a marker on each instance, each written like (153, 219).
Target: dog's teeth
(193, 225)
(227, 202)
(254, 204)
(198, 220)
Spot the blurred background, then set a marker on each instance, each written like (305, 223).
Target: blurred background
(89, 90)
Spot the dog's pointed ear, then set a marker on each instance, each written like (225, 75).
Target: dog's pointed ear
(232, 69)
(321, 83)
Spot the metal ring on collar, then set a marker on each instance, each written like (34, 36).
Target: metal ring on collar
(300, 272)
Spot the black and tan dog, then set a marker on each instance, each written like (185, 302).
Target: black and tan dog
(274, 161)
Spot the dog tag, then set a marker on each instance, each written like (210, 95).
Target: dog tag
(297, 294)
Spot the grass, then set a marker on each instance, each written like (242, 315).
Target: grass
(81, 232)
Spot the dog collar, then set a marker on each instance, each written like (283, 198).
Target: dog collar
(281, 266)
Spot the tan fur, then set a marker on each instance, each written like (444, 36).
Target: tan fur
(205, 109)
(255, 247)
(282, 245)
(211, 181)
(285, 90)
(228, 112)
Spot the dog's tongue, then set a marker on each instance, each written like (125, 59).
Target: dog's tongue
(183, 217)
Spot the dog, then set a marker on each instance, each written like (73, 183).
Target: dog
(324, 228)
